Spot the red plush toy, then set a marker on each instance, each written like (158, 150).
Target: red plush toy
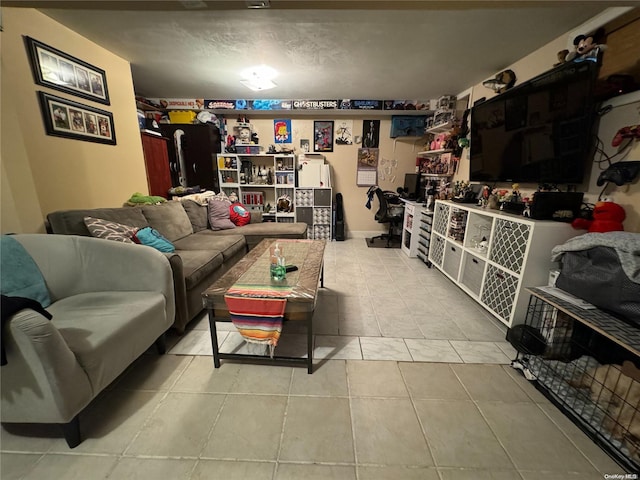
(607, 217)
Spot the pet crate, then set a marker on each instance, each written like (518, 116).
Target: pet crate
(586, 362)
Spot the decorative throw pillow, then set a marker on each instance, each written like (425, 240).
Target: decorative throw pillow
(197, 214)
(21, 276)
(152, 238)
(100, 228)
(238, 214)
(219, 217)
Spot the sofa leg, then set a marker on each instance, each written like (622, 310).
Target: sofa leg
(161, 344)
(71, 432)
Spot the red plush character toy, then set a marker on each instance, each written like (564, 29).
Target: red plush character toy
(607, 217)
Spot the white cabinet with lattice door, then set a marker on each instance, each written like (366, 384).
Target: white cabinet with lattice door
(493, 255)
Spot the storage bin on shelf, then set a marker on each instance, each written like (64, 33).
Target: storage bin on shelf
(182, 116)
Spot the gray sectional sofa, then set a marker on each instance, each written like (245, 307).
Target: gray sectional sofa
(202, 255)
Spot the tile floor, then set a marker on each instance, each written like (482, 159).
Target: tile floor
(378, 304)
(461, 414)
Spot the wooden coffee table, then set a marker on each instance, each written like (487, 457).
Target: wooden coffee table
(253, 269)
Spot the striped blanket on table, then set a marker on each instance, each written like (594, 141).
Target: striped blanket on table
(257, 311)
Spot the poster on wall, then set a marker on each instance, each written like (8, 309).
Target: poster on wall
(371, 133)
(282, 130)
(344, 132)
(323, 136)
(55, 69)
(367, 169)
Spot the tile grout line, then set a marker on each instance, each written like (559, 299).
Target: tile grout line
(353, 427)
(565, 434)
(486, 421)
(415, 412)
(284, 424)
(155, 409)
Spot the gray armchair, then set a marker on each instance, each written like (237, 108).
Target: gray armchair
(111, 301)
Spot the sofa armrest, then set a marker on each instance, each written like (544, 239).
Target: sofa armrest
(73, 264)
(180, 289)
(42, 381)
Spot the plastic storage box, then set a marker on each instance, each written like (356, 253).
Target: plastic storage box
(182, 116)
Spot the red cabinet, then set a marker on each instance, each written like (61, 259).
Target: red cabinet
(156, 161)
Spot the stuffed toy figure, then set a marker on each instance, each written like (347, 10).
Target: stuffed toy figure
(586, 47)
(607, 217)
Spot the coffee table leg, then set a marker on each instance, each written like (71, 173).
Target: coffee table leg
(214, 338)
(310, 344)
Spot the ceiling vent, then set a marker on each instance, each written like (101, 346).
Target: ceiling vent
(258, 3)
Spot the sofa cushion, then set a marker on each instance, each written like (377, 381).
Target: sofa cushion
(108, 230)
(71, 222)
(170, 219)
(197, 214)
(228, 245)
(198, 265)
(254, 233)
(152, 238)
(239, 214)
(95, 325)
(219, 218)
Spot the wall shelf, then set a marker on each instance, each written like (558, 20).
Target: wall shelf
(441, 127)
(433, 153)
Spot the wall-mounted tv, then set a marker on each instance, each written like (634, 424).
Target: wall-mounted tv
(542, 131)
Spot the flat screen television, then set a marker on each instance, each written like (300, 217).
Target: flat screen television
(542, 131)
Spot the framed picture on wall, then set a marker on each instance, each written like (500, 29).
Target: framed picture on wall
(69, 119)
(323, 136)
(55, 69)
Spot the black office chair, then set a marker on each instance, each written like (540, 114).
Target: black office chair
(385, 214)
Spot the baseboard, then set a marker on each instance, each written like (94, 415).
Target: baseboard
(365, 233)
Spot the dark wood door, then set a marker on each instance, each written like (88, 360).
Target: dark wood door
(156, 161)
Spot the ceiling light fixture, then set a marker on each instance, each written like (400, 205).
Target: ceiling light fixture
(258, 3)
(258, 84)
(258, 78)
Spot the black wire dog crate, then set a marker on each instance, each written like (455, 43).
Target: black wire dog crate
(586, 362)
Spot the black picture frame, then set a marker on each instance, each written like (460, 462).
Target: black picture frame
(58, 70)
(69, 119)
(323, 136)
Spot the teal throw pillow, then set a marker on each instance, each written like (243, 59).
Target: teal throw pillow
(21, 276)
(152, 238)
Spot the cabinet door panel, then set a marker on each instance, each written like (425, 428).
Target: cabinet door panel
(452, 257)
(436, 250)
(499, 291)
(472, 273)
(441, 219)
(156, 161)
(509, 244)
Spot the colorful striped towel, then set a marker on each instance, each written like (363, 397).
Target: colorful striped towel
(257, 312)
